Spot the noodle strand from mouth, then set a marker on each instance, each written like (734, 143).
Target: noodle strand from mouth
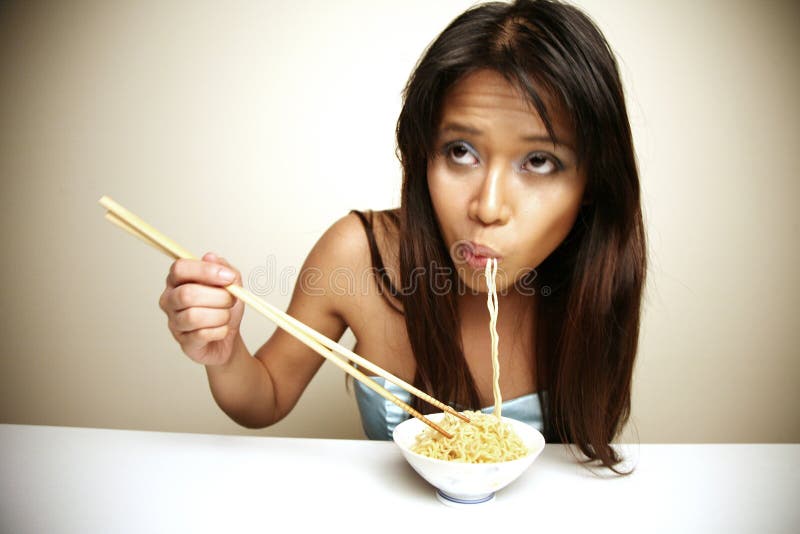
(492, 304)
(486, 438)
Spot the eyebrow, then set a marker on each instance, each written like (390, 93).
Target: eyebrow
(462, 128)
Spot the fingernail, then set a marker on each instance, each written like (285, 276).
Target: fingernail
(226, 275)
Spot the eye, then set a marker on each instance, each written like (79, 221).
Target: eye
(461, 153)
(542, 163)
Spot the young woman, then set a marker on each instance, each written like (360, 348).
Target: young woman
(515, 145)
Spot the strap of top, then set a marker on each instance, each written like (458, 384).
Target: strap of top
(384, 282)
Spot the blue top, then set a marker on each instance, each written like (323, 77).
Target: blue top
(379, 416)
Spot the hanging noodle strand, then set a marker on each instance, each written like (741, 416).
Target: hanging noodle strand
(492, 304)
(486, 438)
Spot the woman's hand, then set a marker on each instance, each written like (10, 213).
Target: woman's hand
(203, 317)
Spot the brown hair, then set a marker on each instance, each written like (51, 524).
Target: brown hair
(588, 318)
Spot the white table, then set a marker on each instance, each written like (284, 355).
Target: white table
(58, 479)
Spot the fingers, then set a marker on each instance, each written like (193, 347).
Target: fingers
(191, 341)
(199, 309)
(213, 258)
(191, 295)
(211, 273)
(192, 319)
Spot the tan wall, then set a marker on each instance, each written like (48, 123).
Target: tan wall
(247, 129)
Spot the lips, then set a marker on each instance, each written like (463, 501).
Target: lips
(482, 251)
(477, 255)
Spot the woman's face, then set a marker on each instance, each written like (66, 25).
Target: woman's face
(500, 187)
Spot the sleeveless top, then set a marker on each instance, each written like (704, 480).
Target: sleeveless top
(379, 416)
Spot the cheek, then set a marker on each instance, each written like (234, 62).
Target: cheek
(437, 180)
(549, 219)
(552, 211)
(445, 196)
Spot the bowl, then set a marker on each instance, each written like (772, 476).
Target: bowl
(459, 483)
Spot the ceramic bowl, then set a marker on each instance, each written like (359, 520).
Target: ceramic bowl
(465, 483)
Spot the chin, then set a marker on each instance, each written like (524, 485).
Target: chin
(472, 285)
(474, 281)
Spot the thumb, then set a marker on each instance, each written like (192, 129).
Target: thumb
(214, 258)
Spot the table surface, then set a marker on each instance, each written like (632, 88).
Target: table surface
(62, 479)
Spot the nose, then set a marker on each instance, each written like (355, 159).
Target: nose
(490, 203)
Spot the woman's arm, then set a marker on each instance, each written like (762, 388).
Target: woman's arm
(259, 391)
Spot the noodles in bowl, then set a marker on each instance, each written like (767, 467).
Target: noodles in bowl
(459, 481)
(486, 439)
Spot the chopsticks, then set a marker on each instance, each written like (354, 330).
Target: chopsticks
(325, 347)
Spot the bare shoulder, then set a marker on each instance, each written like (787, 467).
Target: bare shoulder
(343, 245)
(330, 273)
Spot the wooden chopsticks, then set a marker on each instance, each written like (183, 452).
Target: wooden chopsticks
(325, 347)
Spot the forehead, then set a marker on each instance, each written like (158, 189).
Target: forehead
(486, 94)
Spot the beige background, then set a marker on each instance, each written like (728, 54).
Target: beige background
(247, 128)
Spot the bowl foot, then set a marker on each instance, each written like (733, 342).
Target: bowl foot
(449, 500)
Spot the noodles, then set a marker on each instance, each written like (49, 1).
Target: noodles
(491, 302)
(486, 438)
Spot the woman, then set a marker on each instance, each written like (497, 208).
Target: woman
(515, 145)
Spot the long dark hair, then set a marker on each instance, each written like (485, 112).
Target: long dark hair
(591, 286)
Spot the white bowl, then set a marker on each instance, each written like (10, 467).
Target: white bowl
(466, 483)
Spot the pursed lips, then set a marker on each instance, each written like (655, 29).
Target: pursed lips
(477, 255)
(482, 251)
